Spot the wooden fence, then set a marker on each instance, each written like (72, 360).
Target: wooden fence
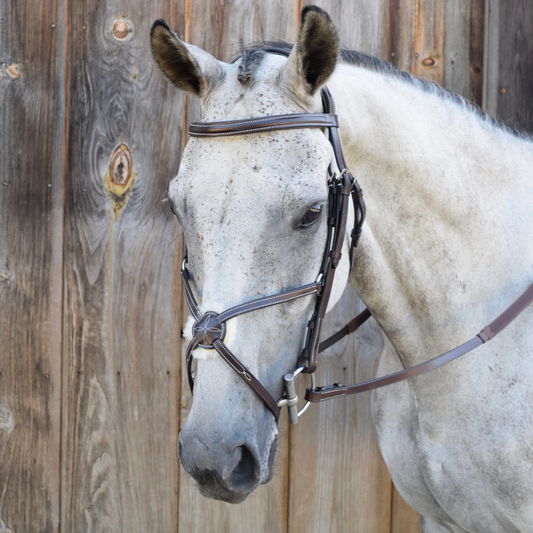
(92, 393)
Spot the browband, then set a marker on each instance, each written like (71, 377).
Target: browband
(263, 124)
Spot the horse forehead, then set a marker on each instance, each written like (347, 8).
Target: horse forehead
(262, 95)
(288, 165)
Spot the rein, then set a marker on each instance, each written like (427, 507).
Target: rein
(209, 328)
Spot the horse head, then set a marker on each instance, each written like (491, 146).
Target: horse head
(253, 210)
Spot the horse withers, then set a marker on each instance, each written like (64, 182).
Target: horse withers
(446, 248)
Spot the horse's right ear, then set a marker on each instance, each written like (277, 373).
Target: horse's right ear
(190, 68)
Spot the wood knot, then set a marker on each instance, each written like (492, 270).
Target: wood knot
(119, 177)
(5, 274)
(120, 30)
(12, 70)
(6, 420)
(428, 62)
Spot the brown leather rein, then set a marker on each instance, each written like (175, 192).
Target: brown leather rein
(209, 328)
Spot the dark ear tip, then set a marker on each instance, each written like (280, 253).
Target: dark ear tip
(314, 9)
(157, 24)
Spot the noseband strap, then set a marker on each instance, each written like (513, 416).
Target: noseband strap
(209, 330)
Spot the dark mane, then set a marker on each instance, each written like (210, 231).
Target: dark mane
(352, 57)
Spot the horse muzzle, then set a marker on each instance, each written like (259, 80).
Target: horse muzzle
(225, 471)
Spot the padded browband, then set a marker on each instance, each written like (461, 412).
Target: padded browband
(263, 124)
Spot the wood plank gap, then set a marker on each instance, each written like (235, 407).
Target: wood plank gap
(391, 507)
(181, 305)
(64, 382)
(186, 36)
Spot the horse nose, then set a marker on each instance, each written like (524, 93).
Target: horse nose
(222, 472)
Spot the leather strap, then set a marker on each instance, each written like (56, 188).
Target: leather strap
(248, 377)
(336, 390)
(268, 301)
(263, 124)
(352, 326)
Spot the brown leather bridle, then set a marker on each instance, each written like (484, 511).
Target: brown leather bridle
(209, 327)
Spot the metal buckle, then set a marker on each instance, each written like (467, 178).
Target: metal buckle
(290, 399)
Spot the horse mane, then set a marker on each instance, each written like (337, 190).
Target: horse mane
(352, 57)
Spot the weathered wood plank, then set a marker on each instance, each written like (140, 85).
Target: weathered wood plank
(32, 104)
(441, 41)
(463, 48)
(222, 29)
(361, 23)
(339, 481)
(120, 370)
(404, 519)
(508, 91)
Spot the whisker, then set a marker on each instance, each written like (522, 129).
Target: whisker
(167, 233)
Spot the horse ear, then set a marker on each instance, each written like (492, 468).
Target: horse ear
(190, 68)
(314, 57)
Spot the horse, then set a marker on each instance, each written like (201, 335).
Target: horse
(446, 247)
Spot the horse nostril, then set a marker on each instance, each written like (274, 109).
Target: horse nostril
(244, 473)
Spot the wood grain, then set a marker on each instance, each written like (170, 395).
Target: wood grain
(120, 371)
(361, 24)
(508, 92)
(463, 48)
(32, 104)
(404, 519)
(439, 40)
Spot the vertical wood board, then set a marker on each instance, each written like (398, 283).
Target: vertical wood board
(32, 73)
(121, 336)
(508, 91)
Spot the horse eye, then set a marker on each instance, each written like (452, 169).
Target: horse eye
(311, 216)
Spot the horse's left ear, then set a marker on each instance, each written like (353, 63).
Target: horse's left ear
(314, 57)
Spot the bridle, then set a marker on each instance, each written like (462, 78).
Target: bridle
(209, 328)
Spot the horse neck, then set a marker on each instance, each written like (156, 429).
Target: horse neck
(446, 246)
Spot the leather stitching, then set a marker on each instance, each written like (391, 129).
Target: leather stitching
(258, 304)
(228, 357)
